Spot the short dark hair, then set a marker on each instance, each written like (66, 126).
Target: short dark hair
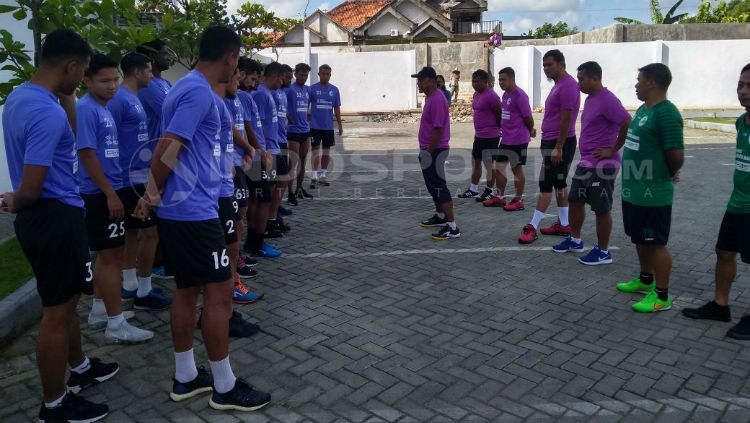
(324, 67)
(64, 43)
(287, 68)
(216, 41)
(457, 72)
(151, 47)
(659, 73)
(508, 71)
(132, 62)
(98, 62)
(556, 55)
(481, 74)
(591, 69)
(248, 65)
(746, 68)
(274, 69)
(302, 67)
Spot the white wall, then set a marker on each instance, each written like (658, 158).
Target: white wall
(332, 32)
(385, 24)
(692, 87)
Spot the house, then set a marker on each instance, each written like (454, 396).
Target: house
(360, 21)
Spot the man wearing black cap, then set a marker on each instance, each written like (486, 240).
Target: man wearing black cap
(434, 138)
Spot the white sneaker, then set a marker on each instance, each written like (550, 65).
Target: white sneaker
(99, 321)
(127, 334)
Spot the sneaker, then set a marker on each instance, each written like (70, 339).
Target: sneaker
(292, 200)
(242, 294)
(596, 257)
(127, 334)
(155, 300)
(247, 272)
(299, 194)
(160, 272)
(202, 383)
(100, 321)
(433, 221)
(283, 211)
(241, 328)
(324, 182)
(98, 372)
(314, 184)
(486, 195)
(272, 231)
(126, 295)
(280, 225)
(528, 235)
(635, 285)
(568, 245)
(305, 193)
(267, 251)
(468, 194)
(74, 409)
(498, 201)
(709, 311)
(446, 233)
(651, 304)
(556, 229)
(242, 398)
(514, 205)
(246, 261)
(741, 330)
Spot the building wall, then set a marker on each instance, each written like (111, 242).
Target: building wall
(414, 13)
(384, 25)
(430, 32)
(332, 32)
(297, 36)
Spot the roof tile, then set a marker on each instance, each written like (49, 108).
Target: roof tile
(354, 13)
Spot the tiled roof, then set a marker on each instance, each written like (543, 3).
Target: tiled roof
(354, 13)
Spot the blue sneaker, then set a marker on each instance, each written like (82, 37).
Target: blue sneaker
(568, 245)
(242, 397)
(267, 251)
(160, 272)
(596, 257)
(126, 295)
(155, 300)
(241, 294)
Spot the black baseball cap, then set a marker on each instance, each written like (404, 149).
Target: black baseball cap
(426, 72)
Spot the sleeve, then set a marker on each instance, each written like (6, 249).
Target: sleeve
(86, 128)
(247, 108)
(42, 133)
(115, 107)
(337, 99)
(570, 97)
(669, 128)
(616, 112)
(524, 106)
(438, 114)
(497, 102)
(188, 114)
(147, 97)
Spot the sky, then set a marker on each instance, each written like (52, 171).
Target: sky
(518, 16)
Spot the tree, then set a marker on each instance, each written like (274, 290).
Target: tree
(738, 6)
(656, 15)
(721, 13)
(549, 30)
(258, 26)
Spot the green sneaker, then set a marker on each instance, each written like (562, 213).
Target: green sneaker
(635, 285)
(651, 304)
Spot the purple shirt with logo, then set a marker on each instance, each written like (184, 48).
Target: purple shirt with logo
(227, 147)
(298, 105)
(564, 96)
(152, 97)
(485, 117)
(323, 99)
(281, 110)
(602, 116)
(95, 129)
(251, 114)
(268, 113)
(435, 115)
(237, 112)
(516, 108)
(132, 132)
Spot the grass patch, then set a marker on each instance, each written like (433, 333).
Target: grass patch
(14, 269)
(729, 121)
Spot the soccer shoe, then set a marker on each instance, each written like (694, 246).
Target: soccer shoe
(635, 285)
(528, 235)
(242, 294)
(486, 195)
(446, 233)
(514, 205)
(433, 221)
(651, 304)
(468, 194)
(556, 229)
(498, 201)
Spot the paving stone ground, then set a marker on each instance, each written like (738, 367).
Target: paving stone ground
(366, 319)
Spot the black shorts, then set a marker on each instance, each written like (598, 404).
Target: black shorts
(228, 210)
(240, 187)
(297, 136)
(515, 154)
(282, 164)
(260, 183)
(323, 136)
(595, 187)
(433, 171)
(103, 233)
(647, 225)
(52, 236)
(200, 250)
(483, 148)
(552, 176)
(130, 197)
(734, 235)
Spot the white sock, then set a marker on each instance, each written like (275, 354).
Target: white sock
(129, 279)
(184, 366)
(114, 322)
(536, 219)
(605, 251)
(314, 174)
(452, 225)
(98, 308)
(322, 173)
(563, 213)
(54, 404)
(223, 376)
(440, 215)
(144, 286)
(576, 240)
(474, 187)
(83, 367)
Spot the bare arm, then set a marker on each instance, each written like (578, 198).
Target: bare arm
(434, 139)
(497, 111)
(565, 118)
(68, 103)
(605, 153)
(337, 113)
(675, 160)
(242, 142)
(164, 161)
(28, 192)
(529, 122)
(94, 169)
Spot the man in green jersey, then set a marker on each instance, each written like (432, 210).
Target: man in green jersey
(651, 160)
(734, 235)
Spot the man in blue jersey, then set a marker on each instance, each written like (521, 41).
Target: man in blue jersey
(325, 102)
(42, 163)
(102, 190)
(136, 150)
(276, 226)
(186, 202)
(298, 132)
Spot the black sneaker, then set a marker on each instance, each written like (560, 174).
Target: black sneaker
(280, 225)
(433, 221)
(324, 182)
(182, 391)
(314, 184)
(741, 330)
(292, 200)
(486, 195)
(272, 232)
(305, 194)
(241, 328)
(250, 261)
(468, 194)
(242, 397)
(74, 409)
(446, 233)
(285, 212)
(247, 272)
(98, 372)
(709, 311)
